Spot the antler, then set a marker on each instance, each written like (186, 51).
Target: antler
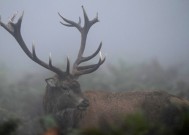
(80, 70)
(14, 30)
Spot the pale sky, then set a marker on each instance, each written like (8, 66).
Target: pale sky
(133, 30)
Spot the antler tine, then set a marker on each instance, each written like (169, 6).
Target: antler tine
(79, 21)
(71, 23)
(85, 15)
(13, 17)
(90, 68)
(11, 27)
(14, 30)
(50, 60)
(88, 23)
(68, 66)
(33, 50)
(83, 59)
(100, 62)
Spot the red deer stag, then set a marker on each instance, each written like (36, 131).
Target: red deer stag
(73, 108)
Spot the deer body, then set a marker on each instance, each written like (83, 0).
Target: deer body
(113, 107)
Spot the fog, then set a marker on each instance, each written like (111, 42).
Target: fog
(146, 44)
(132, 30)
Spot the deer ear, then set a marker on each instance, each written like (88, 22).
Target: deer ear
(51, 82)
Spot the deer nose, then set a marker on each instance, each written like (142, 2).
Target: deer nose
(83, 105)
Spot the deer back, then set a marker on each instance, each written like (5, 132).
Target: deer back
(113, 107)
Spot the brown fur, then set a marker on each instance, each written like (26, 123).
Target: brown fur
(113, 107)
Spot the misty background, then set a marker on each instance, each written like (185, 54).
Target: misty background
(132, 30)
(146, 44)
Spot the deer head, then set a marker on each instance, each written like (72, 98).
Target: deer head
(63, 90)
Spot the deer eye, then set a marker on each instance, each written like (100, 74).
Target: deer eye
(65, 90)
(75, 85)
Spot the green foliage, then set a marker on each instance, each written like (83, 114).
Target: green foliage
(184, 129)
(48, 122)
(9, 127)
(136, 124)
